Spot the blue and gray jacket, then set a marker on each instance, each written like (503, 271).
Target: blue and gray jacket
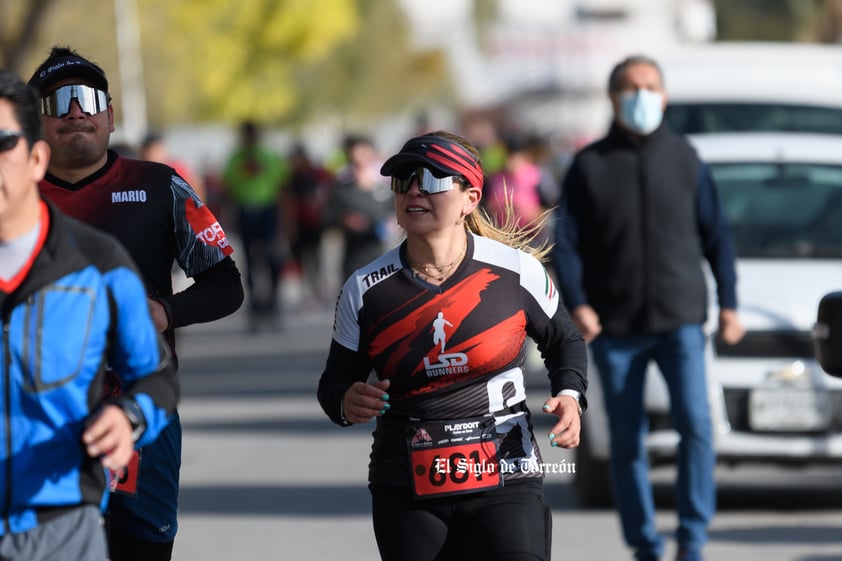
(80, 308)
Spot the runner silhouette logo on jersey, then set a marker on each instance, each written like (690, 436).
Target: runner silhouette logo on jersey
(448, 363)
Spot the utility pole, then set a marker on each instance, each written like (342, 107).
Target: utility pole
(130, 61)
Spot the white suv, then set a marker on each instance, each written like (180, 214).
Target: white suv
(770, 400)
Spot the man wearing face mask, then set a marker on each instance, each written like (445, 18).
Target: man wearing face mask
(639, 213)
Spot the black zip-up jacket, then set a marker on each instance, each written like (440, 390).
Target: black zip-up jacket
(636, 219)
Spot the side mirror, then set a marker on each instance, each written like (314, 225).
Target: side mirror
(827, 334)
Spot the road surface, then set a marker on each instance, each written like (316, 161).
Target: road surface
(265, 475)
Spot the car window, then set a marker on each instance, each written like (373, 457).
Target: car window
(782, 210)
(708, 117)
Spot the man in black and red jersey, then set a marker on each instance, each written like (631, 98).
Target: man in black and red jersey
(160, 219)
(443, 321)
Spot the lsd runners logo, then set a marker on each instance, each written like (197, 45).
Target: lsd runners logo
(446, 363)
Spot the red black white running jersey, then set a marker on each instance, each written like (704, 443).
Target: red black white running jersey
(154, 213)
(457, 350)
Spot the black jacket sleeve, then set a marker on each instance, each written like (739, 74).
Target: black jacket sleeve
(342, 369)
(565, 355)
(215, 293)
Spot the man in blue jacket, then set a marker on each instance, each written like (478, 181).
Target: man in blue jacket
(639, 213)
(71, 302)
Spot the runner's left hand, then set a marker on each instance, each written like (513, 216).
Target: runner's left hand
(109, 436)
(565, 433)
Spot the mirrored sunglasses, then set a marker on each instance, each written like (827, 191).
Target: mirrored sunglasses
(9, 139)
(91, 100)
(427, 182)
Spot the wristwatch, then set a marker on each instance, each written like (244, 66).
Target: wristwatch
(575, 395)
(345, 422)
(133, 413)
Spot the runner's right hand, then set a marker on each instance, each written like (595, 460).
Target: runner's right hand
(362, 402)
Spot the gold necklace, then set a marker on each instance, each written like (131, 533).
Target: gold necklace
(416, 267)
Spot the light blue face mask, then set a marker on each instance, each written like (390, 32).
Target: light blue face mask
(641, 111)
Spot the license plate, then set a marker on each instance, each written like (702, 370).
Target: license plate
(789, 409)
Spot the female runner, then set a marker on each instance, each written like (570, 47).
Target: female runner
(431, 340)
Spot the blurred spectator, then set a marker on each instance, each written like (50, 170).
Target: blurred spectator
(125, 149)
(253, 179)
(518, 182)
(154, 149)
(309, 189)
(361, 205)
(216, 197)
(541, 152)
(481, 131)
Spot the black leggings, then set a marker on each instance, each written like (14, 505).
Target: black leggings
(125, 547)
(510, 523)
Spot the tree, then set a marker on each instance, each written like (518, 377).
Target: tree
(764, 20)
(17, 37)
(278, 61)
(233, 60)
(828, 28)
(375, 71)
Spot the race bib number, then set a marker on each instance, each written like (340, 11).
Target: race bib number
(453, 457)
(126, 482)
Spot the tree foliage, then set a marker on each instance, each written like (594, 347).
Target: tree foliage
(278, 61)
(233, 60)
(287, 61)
(767, 20)
(18, 24)
(373, 72)
(28, 28)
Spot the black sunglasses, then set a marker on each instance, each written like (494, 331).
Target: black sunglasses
(9, 139)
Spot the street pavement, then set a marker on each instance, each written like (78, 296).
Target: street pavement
(265, 475)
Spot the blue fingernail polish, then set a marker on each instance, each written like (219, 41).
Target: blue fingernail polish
(553, 444)
(386, 406)
(552, 435)
(385, 396)
(381, 412)
(546, 407)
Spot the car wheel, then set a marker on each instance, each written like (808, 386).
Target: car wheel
(593, 479)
